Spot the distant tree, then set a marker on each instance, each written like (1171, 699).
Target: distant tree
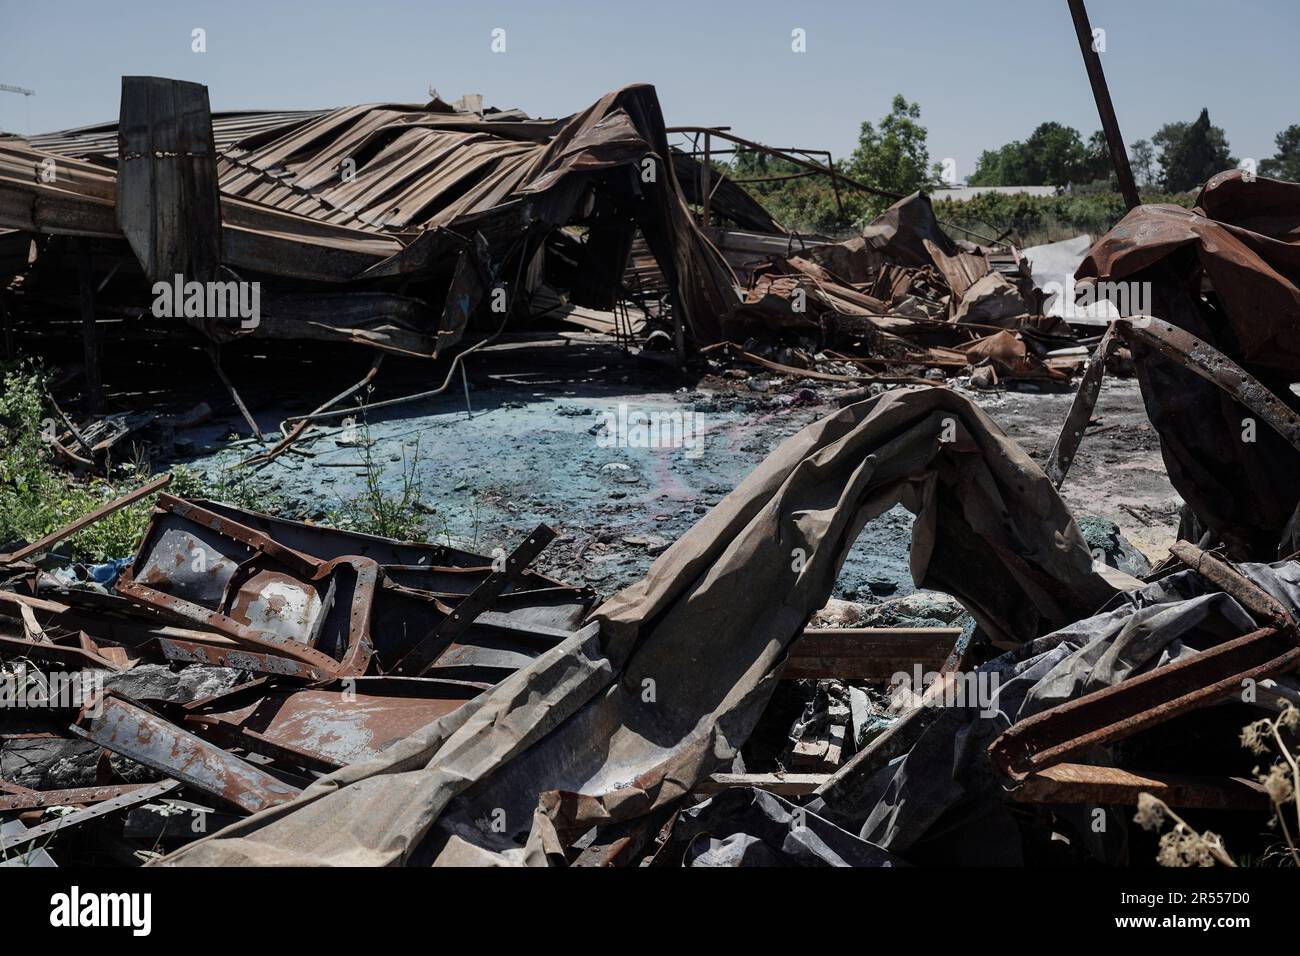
(894, 157)
(1054, 155)
(1001, 167)
(1286, 164)
(1190, 153)
(1096, 166)
(1142, 157)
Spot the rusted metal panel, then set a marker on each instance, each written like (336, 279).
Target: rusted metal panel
(168, 204)
(329, 728)
(206, 568)
(146, 738)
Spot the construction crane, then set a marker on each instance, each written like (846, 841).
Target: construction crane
(24, 92)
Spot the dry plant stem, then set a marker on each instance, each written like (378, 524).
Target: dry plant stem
(1215, 848)
(1295, 790)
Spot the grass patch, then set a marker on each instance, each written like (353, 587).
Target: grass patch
(38, 497)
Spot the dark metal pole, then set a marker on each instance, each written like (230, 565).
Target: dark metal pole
(1101, 94)
(89, 334)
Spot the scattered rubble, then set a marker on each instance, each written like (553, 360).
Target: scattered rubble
(250, 689)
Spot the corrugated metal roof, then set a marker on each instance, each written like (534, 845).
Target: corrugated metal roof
(227, 129)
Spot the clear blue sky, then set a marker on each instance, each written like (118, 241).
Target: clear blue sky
(984, 71)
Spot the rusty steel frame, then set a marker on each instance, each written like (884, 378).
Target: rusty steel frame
(419, 658)
(173, 644)
(310, 570)
(1113, 713)
(141, 795)
(40, 799)
(125, 728)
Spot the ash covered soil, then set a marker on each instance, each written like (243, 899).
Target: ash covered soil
(533, 452)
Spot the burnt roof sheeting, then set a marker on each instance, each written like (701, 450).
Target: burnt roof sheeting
(1240, 241)
(355, 193)
(570, 741)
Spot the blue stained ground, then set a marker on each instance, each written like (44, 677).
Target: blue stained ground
(530, 455)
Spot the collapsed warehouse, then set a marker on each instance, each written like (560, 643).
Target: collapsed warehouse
(266, 691)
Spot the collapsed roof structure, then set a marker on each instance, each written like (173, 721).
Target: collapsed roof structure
(341, 698)
(387, 225)
(404, 228)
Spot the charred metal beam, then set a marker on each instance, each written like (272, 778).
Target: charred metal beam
(420, 657)
(1197, 355)
(1085, 400)
(46, 830)
(124, 728)
(1113, 713)
(1105, 108)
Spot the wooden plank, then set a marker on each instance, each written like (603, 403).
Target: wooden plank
(868, 653)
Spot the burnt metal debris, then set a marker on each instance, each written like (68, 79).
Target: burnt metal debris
(254, 690)
(295, 636)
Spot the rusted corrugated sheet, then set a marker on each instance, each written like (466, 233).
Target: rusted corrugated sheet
(1227, 272)
(392, 195)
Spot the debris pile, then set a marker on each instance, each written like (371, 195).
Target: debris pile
(238, 658)
(251, 690)
(901, 298)
(398, 227)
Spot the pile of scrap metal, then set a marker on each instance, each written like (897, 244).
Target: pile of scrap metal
(1219, 368)
(391, 719)
(391, 226)
(903, 295)
(1079, 689)
(237, 659)
(407, 228)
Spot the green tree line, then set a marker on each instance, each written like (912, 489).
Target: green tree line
(893, 155)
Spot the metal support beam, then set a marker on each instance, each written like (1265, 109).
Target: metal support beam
(1106, 109)
(1085, 400)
